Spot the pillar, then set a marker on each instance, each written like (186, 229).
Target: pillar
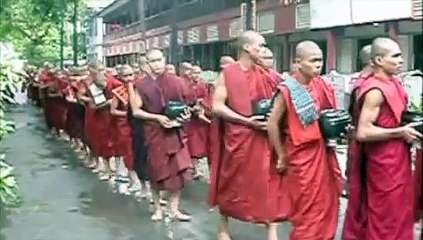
(331, 39)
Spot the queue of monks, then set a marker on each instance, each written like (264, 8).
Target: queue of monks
(265, 168)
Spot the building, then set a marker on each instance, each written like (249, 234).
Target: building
(94, 29)
(202, 30)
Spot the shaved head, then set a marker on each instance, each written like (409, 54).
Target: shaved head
(364, 55)
(250, 44)
(170, 69)
(225, 60)
(308, 59)
(266, 58)
(185, 65)
(156, 61)
(386, 56)
(185, 69)
(305, 48)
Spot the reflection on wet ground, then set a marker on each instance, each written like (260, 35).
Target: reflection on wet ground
(64, 201)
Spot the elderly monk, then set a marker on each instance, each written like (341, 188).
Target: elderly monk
(244, 184)
(380, 157)
(312, 176)
(168, 157)
(123, 135)
(170, 69)
(197, 128)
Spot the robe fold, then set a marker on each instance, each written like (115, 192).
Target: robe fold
(103, 131)
(380, 172)
(168, 159)
(313, 178)
(123, 135)
(197, 129)
(75, 116)
(244, 182)
(418, 185)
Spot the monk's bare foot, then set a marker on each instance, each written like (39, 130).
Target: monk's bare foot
(103, 176)
(182, 217)
(157, 216)
(163, 202)
(223, 236)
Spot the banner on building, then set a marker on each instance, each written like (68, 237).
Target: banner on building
(193, 35)
(212, 33)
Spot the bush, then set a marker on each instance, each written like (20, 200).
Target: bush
(9, 79)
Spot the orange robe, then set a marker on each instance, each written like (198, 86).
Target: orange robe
(197, 129)
(168, 159)
(244, 182)
(380, 173)
(313, 178)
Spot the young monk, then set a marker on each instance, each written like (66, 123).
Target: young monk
(244, 184)
(168, 158)
(381, 153)
(199, 124)
(123, 138)
(312, 176)
(266, 62)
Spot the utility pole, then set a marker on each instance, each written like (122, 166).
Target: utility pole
(75, 32)
(141, 13)
(174, 48)
(62, 36)
(250, 14)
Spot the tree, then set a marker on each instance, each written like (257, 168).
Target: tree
(33, 26)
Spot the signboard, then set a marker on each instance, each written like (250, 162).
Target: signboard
(413, 85)
(193, 35)
(180, 37)
(212, 33)
(339, 83)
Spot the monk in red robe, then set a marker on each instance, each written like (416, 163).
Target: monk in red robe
(244, 182)
(310, 169)
(266, 62)
(170, 69)
(197, 128)
(418, 183)
(119, 109)
(380, 156)
(168, 158)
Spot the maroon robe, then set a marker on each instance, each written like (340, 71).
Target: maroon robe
(418, 185)
(168, 159)
(244, 182)
(381, 173)
(197, 129)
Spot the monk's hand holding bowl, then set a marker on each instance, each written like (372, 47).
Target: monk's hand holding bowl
(349, 132)
(185, 117)
(410, 134)
(165, 122)
(257, 122)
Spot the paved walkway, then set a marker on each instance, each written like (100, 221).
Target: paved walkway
(64, 201)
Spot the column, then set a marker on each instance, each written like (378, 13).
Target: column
(286, 61)
(406, 43)
(346, 55)
(331, 50)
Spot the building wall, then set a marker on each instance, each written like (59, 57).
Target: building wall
(95, 39)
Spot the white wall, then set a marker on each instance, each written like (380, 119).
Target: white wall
(331, 13)
(95, 40)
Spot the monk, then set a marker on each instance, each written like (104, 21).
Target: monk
(310, 169)
(267, 63)
(197, 128)
(168, 158)
(379, 166)
(185, 71)
(244, 183)
(123, 138)
(170, 69)
(138, 140)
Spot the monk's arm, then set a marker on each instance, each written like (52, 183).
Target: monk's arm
(114, 108)
(273, 125)
(367, 131)
(219, 104)
(136, 105)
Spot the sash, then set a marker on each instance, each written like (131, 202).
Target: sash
(302, 101)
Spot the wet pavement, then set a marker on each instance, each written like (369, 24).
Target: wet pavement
(64, 201)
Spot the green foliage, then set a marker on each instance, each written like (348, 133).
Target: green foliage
(32, 26)
(9, 79)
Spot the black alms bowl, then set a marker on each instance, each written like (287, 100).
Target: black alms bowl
(411, 117)
(175, 109)
(262, 107)
(333, 122)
